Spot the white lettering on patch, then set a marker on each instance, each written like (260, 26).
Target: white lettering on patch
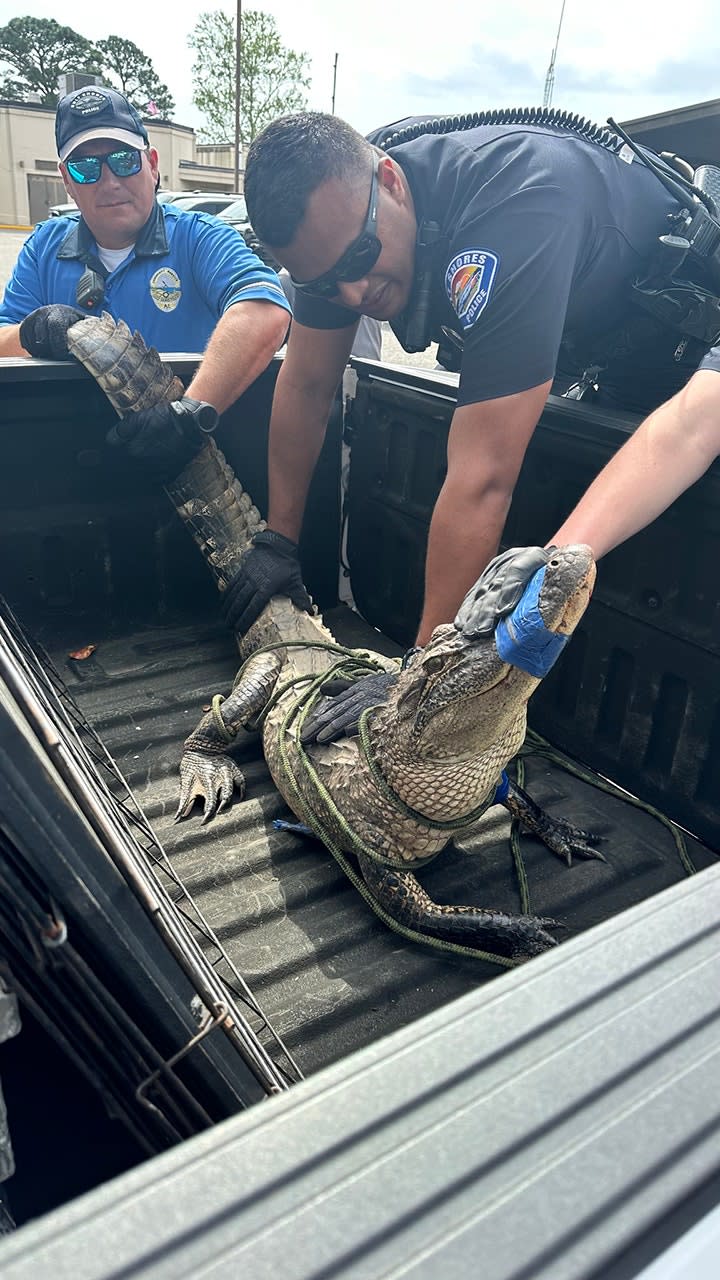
(468, 283)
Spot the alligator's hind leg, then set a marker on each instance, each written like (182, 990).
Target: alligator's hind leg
(403, 898)
(561, 837)
(207, 772)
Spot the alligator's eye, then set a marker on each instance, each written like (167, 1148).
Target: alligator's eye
(433, 664)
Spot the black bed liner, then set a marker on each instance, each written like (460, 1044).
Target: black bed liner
(330, 976)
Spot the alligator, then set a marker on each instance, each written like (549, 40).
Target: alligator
(424, 765)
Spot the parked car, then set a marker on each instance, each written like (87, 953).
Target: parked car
(199, 201)
(61, 210)
(237, 215)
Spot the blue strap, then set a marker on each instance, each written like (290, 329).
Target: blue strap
(523, 640)
(281, 824)
(503, 787)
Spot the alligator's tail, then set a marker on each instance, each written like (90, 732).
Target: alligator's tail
(210, 500)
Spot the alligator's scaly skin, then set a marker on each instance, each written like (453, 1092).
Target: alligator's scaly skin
(455, 717)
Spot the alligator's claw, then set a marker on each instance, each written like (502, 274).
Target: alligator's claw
(560, 837)
(568, 841)
(210, 778)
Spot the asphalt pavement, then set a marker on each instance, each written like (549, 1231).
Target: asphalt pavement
(11, 242)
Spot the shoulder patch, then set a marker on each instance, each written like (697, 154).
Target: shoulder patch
(468, 283)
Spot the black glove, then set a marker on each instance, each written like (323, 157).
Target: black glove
(166, 437)
(270, 568)
(498, 589)
(338, 714)
(44, 332)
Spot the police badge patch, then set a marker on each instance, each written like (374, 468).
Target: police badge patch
(468, 283)
(165, 289)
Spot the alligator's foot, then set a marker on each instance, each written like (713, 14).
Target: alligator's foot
(561, 837)
(210, 778)
(400, 895)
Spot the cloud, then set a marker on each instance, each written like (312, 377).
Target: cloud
(487, 76)
(698, 78)
(692, 78)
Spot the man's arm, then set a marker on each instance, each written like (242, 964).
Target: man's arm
(306, 386)
(242, 344)
(24, 291)
(486, 447)
(10, 344)
(669, 451)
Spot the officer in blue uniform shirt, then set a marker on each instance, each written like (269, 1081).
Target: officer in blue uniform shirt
(519, 245)
(185, 281)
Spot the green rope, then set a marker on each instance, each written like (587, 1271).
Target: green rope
(229, 735)
(536, 745)
(516, 849)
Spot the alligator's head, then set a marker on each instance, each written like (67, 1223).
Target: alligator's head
(460, 698)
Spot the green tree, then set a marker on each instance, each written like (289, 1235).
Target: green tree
(273, 78)
(37, 51)
(128, 69)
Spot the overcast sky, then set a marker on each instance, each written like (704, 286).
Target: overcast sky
(624, 58)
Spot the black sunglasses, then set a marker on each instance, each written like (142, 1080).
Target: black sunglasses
(124, 163)
(359, 257)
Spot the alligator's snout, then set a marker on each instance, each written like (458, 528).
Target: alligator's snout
(462, 694)
(554, 600)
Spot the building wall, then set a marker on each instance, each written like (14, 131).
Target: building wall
(27, 136)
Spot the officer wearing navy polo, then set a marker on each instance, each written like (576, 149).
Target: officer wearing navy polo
(184, 280)
(523, 243)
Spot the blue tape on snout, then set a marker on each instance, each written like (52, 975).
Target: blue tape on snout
(523, 640)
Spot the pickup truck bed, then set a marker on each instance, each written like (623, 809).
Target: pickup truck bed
(331, 976)
(92, 556)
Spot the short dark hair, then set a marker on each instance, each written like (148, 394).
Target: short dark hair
(289, 160)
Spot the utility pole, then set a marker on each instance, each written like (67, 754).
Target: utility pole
(238, 47)
(550, 77)
(332, 109)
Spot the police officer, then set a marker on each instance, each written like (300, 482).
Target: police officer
(515, 243)
(184, 280)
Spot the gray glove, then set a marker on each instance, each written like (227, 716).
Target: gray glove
(498, 589)
(44, 332)
(338, 714)
(270, 568)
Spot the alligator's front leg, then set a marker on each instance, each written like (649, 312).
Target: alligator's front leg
(207, 772)
(561, 837)
(403, 898)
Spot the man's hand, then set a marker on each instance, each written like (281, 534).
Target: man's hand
(338, 713)
(270, 568)
(43, 333)
(167, 437)
(498, 589)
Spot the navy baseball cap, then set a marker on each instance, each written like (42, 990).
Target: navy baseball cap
(96, 112)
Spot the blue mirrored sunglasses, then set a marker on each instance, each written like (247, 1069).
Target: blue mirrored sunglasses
(358, 259)
(123, 163)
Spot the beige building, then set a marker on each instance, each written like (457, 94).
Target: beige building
(29, 178)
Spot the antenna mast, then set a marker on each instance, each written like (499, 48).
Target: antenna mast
(550, 77)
